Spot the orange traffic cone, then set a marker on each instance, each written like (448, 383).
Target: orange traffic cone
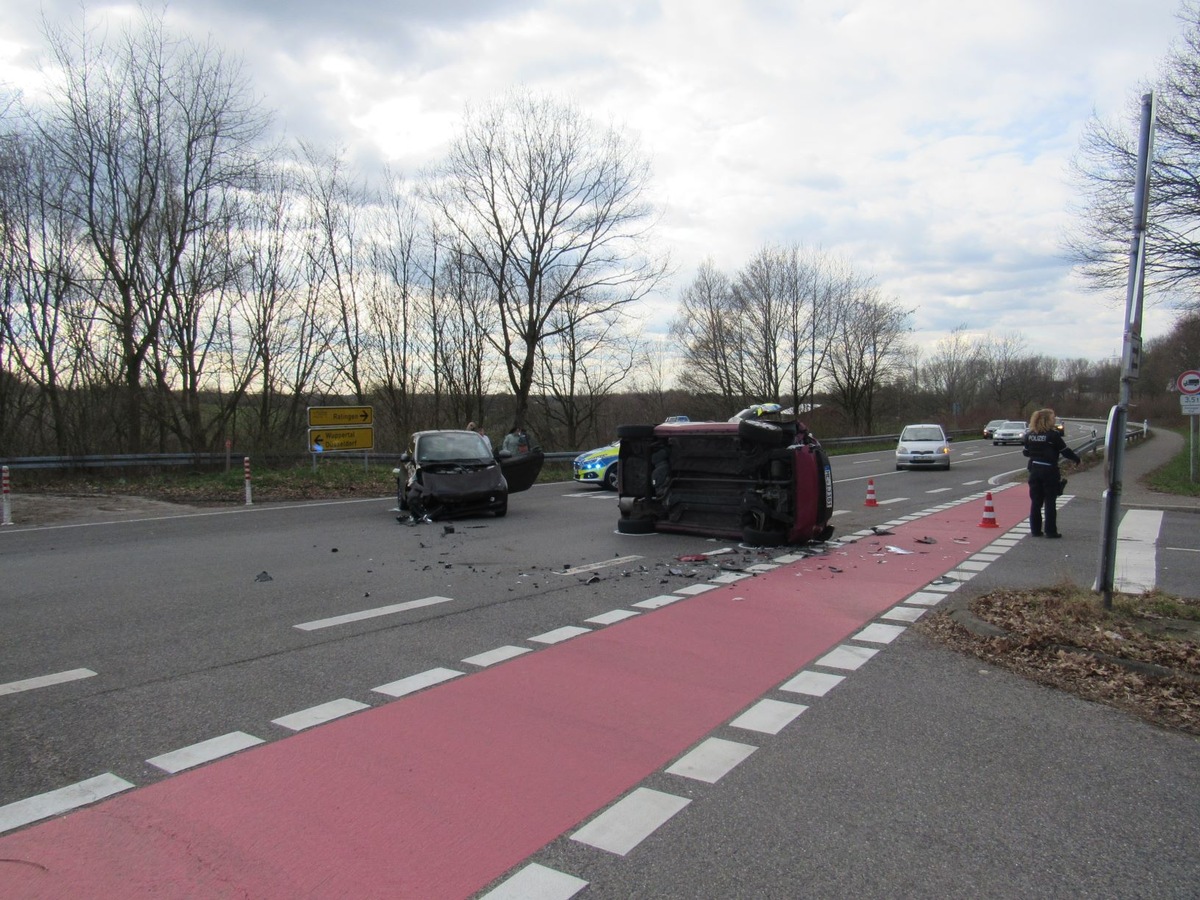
(989, 513)
(870, 493)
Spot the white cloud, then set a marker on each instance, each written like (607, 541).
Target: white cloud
(927, 141)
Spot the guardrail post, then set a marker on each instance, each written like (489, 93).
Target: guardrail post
(7, 513)
(246, 470)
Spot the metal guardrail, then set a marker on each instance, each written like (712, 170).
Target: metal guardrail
(215, 460)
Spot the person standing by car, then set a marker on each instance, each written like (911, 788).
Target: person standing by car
(1043, 445)
(512, 442)
(478, 429)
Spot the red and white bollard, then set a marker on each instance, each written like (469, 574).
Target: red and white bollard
(871, 493)
(246, 470)
(6, 518)
(989, 513)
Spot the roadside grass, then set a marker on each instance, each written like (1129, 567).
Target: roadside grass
(331, 479)
(1175, 476)
(1142, 656)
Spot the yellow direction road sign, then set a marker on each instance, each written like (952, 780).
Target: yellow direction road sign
(356, 437)
(324, 416)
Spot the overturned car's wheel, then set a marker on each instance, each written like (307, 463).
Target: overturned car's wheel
(755, 537)
(635, 526)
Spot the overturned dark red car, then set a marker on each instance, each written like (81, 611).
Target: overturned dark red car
(448, 474)
(763, 483)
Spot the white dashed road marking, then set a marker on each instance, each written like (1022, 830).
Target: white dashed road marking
(1136, 565)
(371, 613)
(205, 751)
(768, 716)
(815, 684)
(608, 618)
(500, 654)
(559, 635)
(65, 799)
(711, 761)
(319, 715)
(537, 882)
(631, 820)
(418, 682)
(29, 684)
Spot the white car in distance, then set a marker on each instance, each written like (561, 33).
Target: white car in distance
(923, 446)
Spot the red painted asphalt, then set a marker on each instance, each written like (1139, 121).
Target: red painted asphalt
(439, 793)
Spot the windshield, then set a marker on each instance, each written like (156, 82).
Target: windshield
(451, 445)
(1016, 426)
(922, 433)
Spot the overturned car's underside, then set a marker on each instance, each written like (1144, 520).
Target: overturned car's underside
(764, 483)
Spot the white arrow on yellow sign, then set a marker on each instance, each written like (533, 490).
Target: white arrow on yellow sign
(358, 437)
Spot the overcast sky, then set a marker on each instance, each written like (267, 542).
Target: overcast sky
(925, 141)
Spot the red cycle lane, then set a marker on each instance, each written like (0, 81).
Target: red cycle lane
(439, 793)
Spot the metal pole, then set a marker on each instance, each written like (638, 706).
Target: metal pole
(246, 472)
(1130, 357)
(5, 513)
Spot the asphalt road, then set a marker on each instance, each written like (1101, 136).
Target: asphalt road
(921, 774)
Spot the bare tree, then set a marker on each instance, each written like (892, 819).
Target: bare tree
(1105, 171)
(869, 352)
(154, 131)
(580, 369)
(709, 328)
(954, 374)
(1001, 357)
(549, 207)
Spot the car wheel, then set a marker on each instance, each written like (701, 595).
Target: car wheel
(995, 443)
(635, 431)
(755, 537)
(899, 468)
(635, 526)
(767, 433)
(610, 477)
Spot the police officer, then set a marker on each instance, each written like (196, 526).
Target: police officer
(1043, 445)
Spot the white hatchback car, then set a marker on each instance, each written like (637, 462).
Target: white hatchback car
(923, 447)
(1009, 433)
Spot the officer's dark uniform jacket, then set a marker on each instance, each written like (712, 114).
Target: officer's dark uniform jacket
(1044, 447)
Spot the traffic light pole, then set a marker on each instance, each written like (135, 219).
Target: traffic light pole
(1114, 444)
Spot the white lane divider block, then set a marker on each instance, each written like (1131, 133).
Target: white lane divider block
(612, 616)
(537, 882)
(29, 684)
(814, 684)
(876, 633)
(711, 760)
(731, 577)
(693, 589)
(768, 716)
(500, 654)
(656, 602)
(558, 635)
(418, 682)
(903, 614)
(630, 820)
(926, 598)
(65, 799)
(847, 657)
(319, 715)
(205, 751)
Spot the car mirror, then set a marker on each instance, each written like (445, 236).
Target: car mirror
(949, 439)
(405, 457)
